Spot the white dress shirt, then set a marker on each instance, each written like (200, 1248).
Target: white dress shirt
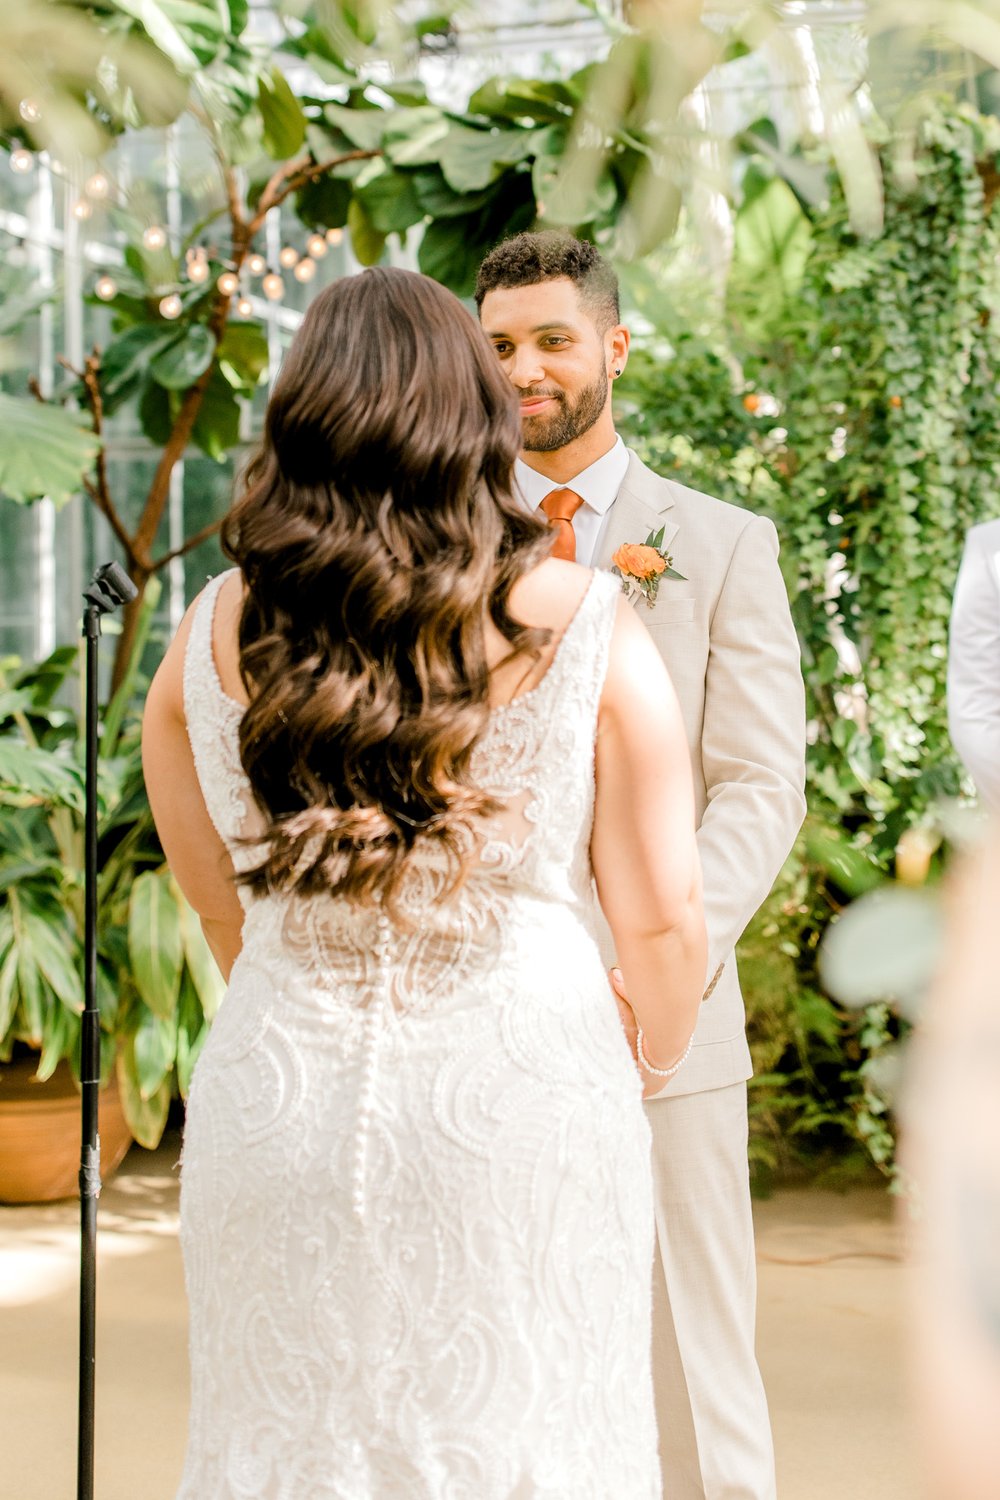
(597, 485)
(974, 661)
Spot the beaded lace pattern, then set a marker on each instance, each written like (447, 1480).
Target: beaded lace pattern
(416, 1201)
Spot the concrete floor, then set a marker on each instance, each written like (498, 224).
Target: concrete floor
(831, 1338)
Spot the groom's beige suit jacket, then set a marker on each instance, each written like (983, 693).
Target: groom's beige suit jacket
(727, 638)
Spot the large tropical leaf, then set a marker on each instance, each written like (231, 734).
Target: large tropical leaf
(45, 451)
(127, 357)
(56, 952)
(8, 989)
(154, 1049)
(192, 1033)
(67, 59)
(388, 199)
(367, 242)
(146, 1117)
(282, 116)
(773, 238)
(61, 1039)
(189, 33)
(243, 356)
(154, 941)
(202, 970)
(180, 364)
(29, 774)
(217, 425)
(472, 159)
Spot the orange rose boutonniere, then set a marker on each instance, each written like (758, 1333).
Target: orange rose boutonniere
(640, 566)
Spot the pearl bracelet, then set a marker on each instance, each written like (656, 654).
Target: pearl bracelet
(660, 1072)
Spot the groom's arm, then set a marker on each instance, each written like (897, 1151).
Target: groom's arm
(753, 741)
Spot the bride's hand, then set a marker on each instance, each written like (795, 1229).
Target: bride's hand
(625, 1013)
(630, 1026)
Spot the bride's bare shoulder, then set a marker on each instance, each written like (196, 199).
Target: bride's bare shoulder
(550, 594)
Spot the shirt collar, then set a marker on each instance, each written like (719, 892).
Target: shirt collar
(597, 484)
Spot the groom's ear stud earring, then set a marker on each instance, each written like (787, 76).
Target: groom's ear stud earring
(618, 372)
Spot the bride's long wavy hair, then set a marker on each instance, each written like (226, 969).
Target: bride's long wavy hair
(376, 531)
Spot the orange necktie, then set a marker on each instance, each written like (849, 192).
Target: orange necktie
(561, 506)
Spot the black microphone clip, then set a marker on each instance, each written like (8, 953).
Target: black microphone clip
(110, 587)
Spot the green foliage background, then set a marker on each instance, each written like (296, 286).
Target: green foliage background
(857, 406)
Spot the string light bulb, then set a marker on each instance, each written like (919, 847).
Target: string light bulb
(30, 111)
(316, 245)
(155, 237)
(273, 286)
(21, 160)
(228, 283)
(334, 236)
(97, 186)
(256, 265)
(244, 307)
(105, 287)
(171, 306)
(81, 209)
(198, 270)
(305, 270)
(288, 256)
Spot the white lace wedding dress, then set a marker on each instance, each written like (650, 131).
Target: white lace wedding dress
(416, 1203)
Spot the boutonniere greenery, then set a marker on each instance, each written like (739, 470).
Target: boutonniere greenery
(641, 566)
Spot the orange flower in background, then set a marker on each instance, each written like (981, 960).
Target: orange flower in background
(638, 561)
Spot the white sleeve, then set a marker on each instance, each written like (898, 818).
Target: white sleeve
(974, 664)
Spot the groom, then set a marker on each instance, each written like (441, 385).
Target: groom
(549, 305)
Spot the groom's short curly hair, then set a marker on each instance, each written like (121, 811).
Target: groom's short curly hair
(526, 259)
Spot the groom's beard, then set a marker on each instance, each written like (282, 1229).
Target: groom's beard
(570, 419)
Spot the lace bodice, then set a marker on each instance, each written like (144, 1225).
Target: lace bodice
(536, 757)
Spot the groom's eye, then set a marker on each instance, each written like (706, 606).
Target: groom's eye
(502, 348)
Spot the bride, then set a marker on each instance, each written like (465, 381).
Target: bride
(390, 755)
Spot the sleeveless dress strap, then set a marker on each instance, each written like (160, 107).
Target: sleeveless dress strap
(213, 726)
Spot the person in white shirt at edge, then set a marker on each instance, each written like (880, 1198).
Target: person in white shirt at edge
(549, 305)
(974, 661)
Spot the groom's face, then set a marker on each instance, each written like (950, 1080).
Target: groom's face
(554, 356)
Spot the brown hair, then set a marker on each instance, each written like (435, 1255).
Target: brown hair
(526, 259)
(377, 528)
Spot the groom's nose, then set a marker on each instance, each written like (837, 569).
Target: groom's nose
(526, 369)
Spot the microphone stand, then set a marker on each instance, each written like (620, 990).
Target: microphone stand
(109, 588)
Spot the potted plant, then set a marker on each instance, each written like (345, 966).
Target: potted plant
(158, 986)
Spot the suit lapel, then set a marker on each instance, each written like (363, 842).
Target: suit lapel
(640, 507)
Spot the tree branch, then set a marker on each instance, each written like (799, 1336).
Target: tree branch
(295, 174)
(99, 488)
(188, 545)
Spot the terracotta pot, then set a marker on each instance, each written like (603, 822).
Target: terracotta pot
(40, 1133)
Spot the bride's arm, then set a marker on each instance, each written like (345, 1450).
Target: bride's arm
(195, 853)
(644, 850)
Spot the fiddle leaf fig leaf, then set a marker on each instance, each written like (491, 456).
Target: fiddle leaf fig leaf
(126, 358)
(181, 363)
(389, 200)
(366, 241)
(471, 159)
(282, 114)
(45, 450)
(217, 425)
